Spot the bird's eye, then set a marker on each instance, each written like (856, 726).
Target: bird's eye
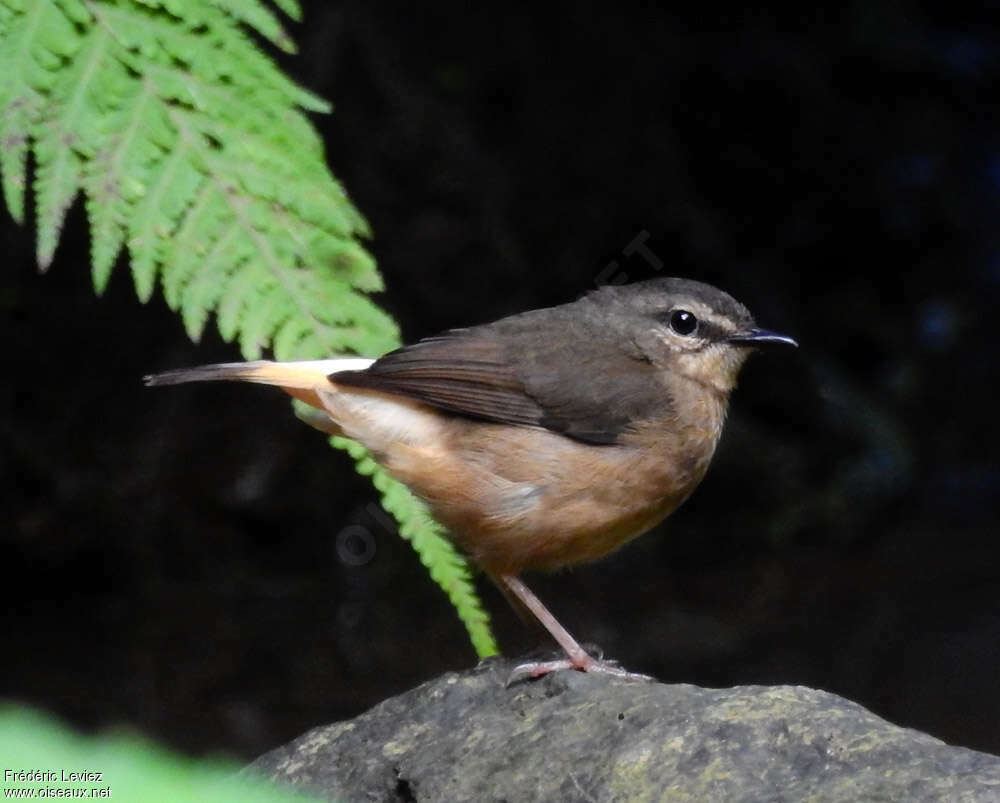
(683, 322)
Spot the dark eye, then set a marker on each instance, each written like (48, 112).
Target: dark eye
(683, 322)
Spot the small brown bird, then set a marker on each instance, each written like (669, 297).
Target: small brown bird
(547, 438)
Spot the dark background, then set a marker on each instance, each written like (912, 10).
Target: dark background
(170, 558)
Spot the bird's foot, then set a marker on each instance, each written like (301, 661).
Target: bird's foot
(582, 663)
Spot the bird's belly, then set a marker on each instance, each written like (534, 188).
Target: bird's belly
(516, 498)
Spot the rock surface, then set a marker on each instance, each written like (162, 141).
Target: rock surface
(576, 737)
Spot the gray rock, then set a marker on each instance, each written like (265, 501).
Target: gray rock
(577, 737)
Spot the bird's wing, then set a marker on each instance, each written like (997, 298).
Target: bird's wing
(528, 370)
(468, 375)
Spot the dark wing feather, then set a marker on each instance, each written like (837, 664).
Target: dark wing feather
(544, 368)
(458, 372)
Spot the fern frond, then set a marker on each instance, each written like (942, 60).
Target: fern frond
(195, 157)
(446, 566)
(156, 108)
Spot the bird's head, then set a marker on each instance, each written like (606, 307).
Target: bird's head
(685, 327)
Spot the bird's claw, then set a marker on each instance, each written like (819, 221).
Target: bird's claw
(587, 663)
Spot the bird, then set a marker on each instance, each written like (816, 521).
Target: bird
(545, 439)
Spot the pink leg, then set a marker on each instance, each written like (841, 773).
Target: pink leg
(576, 657)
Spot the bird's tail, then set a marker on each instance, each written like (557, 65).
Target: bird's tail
(300, 379)
(374, 419)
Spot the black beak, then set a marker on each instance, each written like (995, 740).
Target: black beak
(756, 336)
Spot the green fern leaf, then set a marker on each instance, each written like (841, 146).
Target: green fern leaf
(193, 153)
